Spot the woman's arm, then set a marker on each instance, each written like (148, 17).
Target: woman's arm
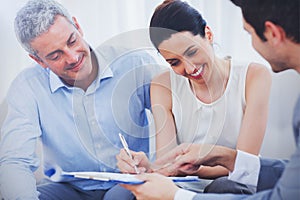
(258, 84)
(161, 103)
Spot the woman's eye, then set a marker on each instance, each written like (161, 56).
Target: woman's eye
(174, 63)
(192, 52)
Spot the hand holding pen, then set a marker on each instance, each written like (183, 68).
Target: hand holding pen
(125, 145)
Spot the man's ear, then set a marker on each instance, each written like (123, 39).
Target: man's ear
(38, 60)
(209, 34)
(274, 33)
(77, 26)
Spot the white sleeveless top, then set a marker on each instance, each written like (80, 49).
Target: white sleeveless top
(216, 123)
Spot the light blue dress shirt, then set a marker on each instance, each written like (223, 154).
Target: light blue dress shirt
(78, 129)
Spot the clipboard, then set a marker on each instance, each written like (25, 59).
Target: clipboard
(122, 178)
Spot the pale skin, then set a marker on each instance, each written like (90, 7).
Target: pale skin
(187, 53)
(287, 52)
(152, 188)
(188, 158)
(66, 53)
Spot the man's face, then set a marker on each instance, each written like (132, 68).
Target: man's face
(266, 49)
(63, 50)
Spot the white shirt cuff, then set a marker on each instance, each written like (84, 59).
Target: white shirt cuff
(246, 169)
(184, 194)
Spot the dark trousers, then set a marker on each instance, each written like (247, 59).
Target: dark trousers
(63, 191)
(223, 185)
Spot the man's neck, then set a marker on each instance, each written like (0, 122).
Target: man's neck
(294, 56)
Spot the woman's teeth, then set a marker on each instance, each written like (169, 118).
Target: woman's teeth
(198, 72)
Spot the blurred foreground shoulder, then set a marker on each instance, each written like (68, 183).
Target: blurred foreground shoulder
(259, 72)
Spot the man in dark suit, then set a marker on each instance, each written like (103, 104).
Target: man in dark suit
(274, 26)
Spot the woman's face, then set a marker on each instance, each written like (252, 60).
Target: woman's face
(189, 55)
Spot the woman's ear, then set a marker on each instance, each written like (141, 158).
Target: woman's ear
(274, 33)
(209, 34)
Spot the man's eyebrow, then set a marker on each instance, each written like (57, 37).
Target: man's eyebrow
(56, 51)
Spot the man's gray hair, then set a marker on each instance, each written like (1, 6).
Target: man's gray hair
(35, 18)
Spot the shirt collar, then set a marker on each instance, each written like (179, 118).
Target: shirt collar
(103, 73)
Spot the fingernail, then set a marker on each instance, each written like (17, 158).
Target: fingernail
(136, 162)
(143, 170)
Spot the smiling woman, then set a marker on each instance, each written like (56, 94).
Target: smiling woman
(206, 98)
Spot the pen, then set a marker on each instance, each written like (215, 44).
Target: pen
(125, 145)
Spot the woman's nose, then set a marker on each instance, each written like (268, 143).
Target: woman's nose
(189, 68)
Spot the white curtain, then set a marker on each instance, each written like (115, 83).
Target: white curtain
(103, 19)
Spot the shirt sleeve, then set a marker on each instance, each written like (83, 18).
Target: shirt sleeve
(184, 194)
(17, 146)
(246, 169)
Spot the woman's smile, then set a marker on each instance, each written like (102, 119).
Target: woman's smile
(198, 72)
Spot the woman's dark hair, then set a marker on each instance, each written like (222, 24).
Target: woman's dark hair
(284, 13)
(174, 16)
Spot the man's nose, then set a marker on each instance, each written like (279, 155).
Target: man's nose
(71, 57)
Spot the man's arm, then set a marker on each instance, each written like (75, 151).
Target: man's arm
(277, 180)
(270, 171)
(284, 179)
(17, 147)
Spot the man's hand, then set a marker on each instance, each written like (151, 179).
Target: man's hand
(156, 187)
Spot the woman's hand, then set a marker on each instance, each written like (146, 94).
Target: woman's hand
(182, 160)
(187, 158)
(127, 165)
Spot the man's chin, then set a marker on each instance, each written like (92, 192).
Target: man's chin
(278, 69)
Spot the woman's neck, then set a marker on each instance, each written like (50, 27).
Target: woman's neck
(215, 87)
